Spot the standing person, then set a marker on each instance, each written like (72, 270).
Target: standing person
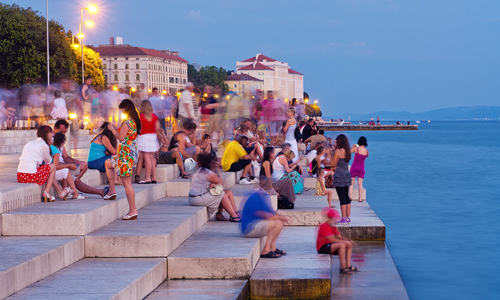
(289, 130)
(330, 241)
(59, 111)
(86, 104)
(342, 176)
(210, 116)
(141, 94)
(378, 120)
(147, 143)
(205, 178)
(127, 156)
(35, 162)
(283, 187)
(307, 130)
(186, 107)
(274, 115)
(259, 220)
(358, 165)
(321, 188)
(157, 104)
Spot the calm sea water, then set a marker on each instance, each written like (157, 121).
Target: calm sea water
(437, 190)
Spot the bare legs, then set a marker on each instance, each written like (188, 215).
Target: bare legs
(82, 187)
(179, 162)
(140, 163)
(228, 204)
(345, 252)
(150, 166)
(129, 191)
(51, 179)
(275, 227)
(111, 173)
(360, 189)
(345, 210)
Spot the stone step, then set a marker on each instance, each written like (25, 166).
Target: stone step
(300, 274)
(216, 251)
(365, 224)
(310, 183)
(241, 193)
(378, 277)
(201, 289)
(11, 149)
(100, 278)
(5, 134)
(160, 228)
(17, 141)
(26, 260)
(178, 187)
(77, 217)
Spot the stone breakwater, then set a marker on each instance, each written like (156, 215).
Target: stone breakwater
(328, 127)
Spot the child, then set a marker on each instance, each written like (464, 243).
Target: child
(358, 165)
(59, 111)
(330, 241)
(261, 121)
(321, 189)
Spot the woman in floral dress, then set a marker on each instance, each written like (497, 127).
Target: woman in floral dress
(126, 159)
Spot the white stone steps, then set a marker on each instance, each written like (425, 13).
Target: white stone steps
(4, 134)
(201, 289)
(216, 251)
(100, 278)
(160, 228)
(26, 260)
(300, 274)
(77, 217)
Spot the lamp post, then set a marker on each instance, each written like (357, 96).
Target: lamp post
(48, 53)
(91, 8)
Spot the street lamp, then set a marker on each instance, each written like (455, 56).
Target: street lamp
(132, 90)
(315, 101)
(91, 8)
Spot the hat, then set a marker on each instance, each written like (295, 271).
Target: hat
(332, 213)
(188, 84)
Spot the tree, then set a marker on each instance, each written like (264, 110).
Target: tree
(306, 95)
(211, 75)
(193, 76)
(313, 110)
(93, 66)
(23, 48)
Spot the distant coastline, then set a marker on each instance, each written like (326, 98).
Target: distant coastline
(457, 113)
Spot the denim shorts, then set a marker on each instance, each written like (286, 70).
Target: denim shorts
(98, 164)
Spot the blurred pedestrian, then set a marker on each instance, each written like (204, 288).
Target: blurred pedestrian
(186, 107)
(147, 143)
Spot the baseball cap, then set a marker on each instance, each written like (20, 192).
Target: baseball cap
(332, 213)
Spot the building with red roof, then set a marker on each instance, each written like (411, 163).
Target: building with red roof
(239, 83)
(275, 75)
(128, 66)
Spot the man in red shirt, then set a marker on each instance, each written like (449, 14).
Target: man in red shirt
(330, 241)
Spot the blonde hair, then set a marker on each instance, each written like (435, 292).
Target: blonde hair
(146, 108)
(292, 110)
(289, 154)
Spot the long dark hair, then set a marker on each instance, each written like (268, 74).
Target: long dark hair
(43, 132)
(206, 161)
(343, 143)
(107, 133)
(267, 154)
(59, 139)
(130, 110)
(173, 141)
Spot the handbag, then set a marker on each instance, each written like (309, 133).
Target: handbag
(284, 203)
(216, 190)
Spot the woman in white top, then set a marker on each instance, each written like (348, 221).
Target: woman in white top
(35, 162)
(289, 130)
(281, 170)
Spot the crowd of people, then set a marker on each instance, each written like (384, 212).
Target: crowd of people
(139, 134)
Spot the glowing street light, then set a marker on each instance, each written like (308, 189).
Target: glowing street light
(150, 90)
(315, 101)
(92, 9)
(132, 90)
(164, 92)
(115, 88)
(307, 100)
(89, 23)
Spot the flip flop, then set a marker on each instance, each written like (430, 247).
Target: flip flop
(153, 181)
(280, 252)
(186, 176)
(144, 182)
(270, 254)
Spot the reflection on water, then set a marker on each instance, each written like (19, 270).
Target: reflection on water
(437, 192)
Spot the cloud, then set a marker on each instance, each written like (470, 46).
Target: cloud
(358, 44)
(195, 15)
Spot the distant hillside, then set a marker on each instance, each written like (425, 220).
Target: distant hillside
(451, 113)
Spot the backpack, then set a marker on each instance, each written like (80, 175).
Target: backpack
(297, 134)
(313, 167)
(284, 203)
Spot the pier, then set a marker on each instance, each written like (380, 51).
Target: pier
(82, 249)
(351, 127)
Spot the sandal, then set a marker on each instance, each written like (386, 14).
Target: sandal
(64, 195)
(106, 190)
(46, 197)
(110, 197)
(137, 179)
(345, 271)
(238, 213)
(79, 197)
(235, 219)
(280, 252)
(186, 176)
(144, 182)
(221, 218)
(353, 269)
(130, 217)
(270, 254)
(154, 181)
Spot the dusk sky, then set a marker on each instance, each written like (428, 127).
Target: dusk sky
(357, 56)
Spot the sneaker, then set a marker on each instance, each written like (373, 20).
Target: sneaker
(342, 222)
(348, 220)
(244, 181)
(255, 180)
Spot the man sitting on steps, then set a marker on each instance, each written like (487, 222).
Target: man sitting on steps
(235, 159)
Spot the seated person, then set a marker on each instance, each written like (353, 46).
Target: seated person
(62, 126)
(259, 220)
(183, 143)
(245, 129)
(292, 165)
(170, 157)
(102, 146)
(330, 241)
(283, 187)
(62, 170)
(205, 178)
(206, 147)
(235, 159)
(281, 171)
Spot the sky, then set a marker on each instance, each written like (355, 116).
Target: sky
(357, 56)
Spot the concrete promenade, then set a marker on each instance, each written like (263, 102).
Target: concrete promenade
(81, 249)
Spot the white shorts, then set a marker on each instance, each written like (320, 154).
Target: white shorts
(260, 229)
(148, 143)
(62, 174)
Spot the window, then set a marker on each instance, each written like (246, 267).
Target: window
(137, 66)
(235, 85)
(126, 77)
(104, 66)
(115, 66)
(184, 81)
(105, 77)
(104, 59)
(243, 85)
(126, 66)
(116, 77)
(137, 58)
(171, 79)
(115, 58)
(176, 80)
(137, 77)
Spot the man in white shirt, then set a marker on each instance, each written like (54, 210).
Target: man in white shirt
(186, 107)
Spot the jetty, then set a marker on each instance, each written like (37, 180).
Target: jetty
(353, 127)
(81, 249)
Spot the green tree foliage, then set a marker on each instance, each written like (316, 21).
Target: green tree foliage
(93, 66)
(306, 95)
(208, 75)
(23, 48)
(313, 110)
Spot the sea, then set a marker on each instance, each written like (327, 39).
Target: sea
(437, 190)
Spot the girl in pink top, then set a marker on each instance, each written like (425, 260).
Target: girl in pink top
(358, 165)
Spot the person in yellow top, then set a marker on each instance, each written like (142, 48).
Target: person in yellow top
(235, 159)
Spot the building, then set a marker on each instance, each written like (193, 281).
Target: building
(126, 66)
(238, 83)
(276, 75)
